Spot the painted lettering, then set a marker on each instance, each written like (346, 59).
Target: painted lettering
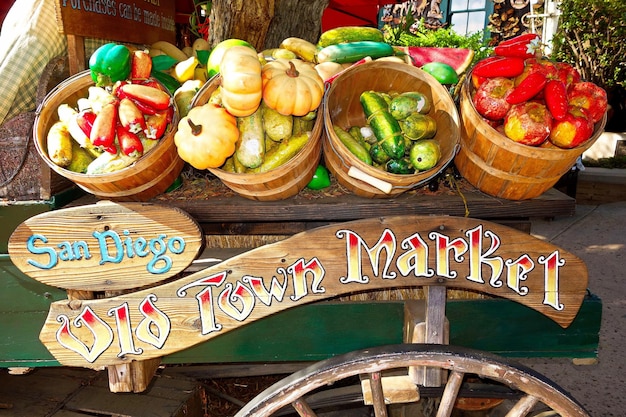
(551, 264)
(354, 243)
(477, 258)
(415, 258)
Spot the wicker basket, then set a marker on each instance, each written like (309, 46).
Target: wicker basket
(503, 168)
(343, 108)
(148, 177)
(280, 183)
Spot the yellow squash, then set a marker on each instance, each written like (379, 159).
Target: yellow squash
(292, 87)
(241, 80)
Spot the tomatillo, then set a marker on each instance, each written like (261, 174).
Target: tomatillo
(321, 178)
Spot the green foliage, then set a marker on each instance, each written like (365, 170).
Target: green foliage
(413, 33)
(592, 37)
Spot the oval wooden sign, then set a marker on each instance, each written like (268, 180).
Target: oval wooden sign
(106, 246)
(319, 264)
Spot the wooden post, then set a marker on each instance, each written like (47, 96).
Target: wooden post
(425, 322)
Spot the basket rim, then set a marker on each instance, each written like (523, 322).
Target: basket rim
(69, 83)
(504, 141)
(418, 177)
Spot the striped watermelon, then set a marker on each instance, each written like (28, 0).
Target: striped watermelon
(457, 58)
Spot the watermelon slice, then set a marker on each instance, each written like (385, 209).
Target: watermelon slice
(457, 58)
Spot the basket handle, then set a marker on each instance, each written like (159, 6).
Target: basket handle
(383, 186)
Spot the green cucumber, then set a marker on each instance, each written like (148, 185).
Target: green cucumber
(353, 145)
(349, 34)
(354, 51)
(379, 156)
(399, 166)
(386, 129)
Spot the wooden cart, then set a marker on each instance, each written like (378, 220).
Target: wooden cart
(127, 315)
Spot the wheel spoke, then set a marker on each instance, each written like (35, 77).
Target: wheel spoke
(523, 406)
(378, 397)
(449, 394)
(302, 408)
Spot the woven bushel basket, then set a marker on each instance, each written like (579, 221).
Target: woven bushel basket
(146, 178)
(342, 107)
(279, 183)
(503, 168)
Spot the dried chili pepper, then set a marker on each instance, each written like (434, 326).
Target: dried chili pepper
(499, 66)
(555, 94)
(523, 46)
(528, 88)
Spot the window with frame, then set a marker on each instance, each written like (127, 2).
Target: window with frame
(467, 16)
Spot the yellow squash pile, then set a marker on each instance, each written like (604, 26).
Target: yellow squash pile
(259, 117)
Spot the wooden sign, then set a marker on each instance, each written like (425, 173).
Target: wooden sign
(106, 246)
(140, 22)
(339, 259)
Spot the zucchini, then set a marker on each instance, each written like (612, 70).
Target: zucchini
(349, 34)
(353, 145)
(282, 153)
(386, 129)
(251, 144)
(353, 51)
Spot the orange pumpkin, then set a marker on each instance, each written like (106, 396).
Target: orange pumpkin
(206, 136)
(241, 81)
(292, 86)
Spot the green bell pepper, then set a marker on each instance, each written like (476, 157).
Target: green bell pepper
(321, 178)
(110, 63)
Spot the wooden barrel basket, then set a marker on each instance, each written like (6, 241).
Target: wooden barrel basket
(503, 168)
(279, 183)
(148, 177)
(342, 107)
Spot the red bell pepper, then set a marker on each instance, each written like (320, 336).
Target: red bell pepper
(499, 66)
(528, 88)
(555, 94)
(103, 131)
(523, 46)
(130, 144)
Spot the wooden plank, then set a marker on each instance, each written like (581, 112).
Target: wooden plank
(106, 246)
(150, 20)
(42, 391)
(165, 398)
(345, 207)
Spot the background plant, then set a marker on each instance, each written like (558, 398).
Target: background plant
(592, 36)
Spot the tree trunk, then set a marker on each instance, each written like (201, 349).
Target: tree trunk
(265, 23)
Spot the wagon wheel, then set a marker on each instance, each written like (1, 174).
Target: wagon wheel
(527, 393)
